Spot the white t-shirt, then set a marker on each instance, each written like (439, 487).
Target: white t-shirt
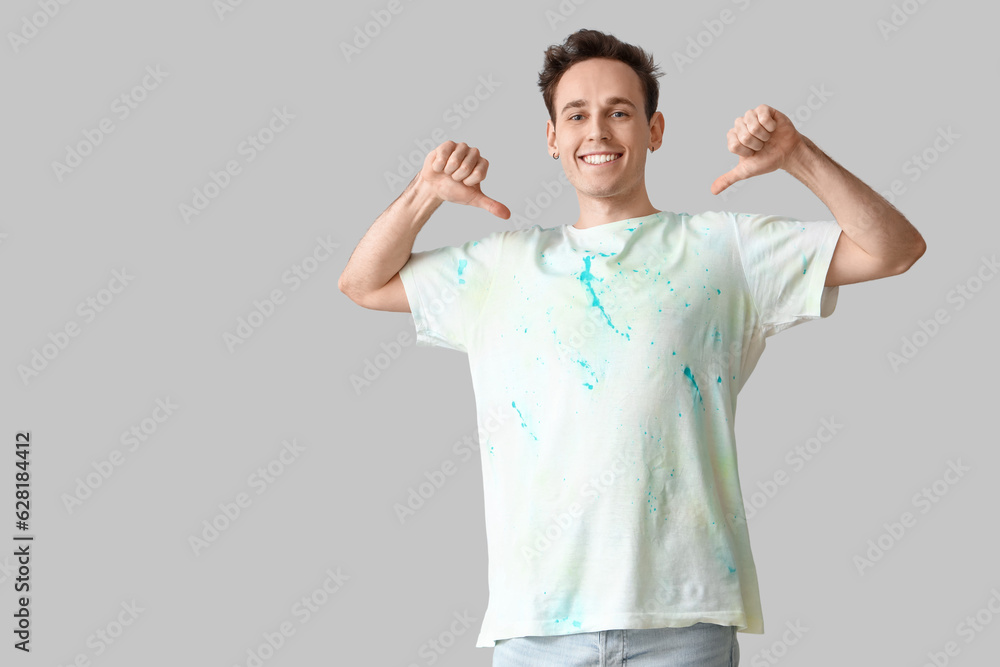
(606, 364)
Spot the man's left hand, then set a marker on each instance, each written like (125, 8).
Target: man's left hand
(765, 140)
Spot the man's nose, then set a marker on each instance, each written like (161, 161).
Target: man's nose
(598, 127)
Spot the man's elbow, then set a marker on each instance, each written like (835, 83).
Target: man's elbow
(345, 287)
(918, 252)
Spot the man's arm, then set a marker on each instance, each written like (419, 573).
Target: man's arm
(877, 240)
(371, 277)
(451, 172)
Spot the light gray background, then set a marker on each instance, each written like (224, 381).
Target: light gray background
(324, 176)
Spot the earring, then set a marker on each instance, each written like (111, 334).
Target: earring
(555, 157)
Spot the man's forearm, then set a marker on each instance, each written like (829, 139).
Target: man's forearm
(388, 243)
(864, 215)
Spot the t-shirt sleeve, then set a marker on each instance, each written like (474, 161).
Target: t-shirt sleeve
(785, 262)
(447, 289)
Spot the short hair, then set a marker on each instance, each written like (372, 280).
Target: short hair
(586, 44)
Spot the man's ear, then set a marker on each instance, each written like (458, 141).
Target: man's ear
(656, 126)
(550, 136)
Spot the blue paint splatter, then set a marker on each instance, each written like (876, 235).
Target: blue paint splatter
(519, 414)
(804, 263)
(586, 277)
(589, 370)
(461, 267)
(690, 376)
(524, 425)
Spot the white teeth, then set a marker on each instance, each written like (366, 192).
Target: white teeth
(599, 159)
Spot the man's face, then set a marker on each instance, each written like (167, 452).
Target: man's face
(599, 110)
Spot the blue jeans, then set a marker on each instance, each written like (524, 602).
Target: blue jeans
(698, 645)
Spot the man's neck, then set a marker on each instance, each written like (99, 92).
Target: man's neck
(598, 211)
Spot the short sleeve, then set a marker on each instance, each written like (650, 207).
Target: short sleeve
(447, 289)
(785, 262)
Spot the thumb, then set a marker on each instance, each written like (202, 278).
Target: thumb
(491, 205)
(724, 181)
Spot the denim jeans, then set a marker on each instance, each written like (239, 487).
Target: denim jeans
(698, 645)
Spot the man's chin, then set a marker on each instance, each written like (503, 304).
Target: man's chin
(600, 192)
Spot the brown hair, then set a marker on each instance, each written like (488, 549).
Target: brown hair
(586, 44)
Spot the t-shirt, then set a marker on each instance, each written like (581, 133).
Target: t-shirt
(605, 364)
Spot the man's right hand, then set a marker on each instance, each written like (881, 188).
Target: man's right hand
(454, 172)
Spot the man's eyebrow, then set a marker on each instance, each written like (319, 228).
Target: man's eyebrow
(611, 101)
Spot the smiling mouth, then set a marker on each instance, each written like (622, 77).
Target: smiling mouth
(602, 158)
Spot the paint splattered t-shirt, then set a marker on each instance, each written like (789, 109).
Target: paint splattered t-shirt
(606, 364)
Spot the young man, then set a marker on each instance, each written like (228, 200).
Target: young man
(606, 359)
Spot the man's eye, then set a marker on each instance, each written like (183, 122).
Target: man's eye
(624, 113)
